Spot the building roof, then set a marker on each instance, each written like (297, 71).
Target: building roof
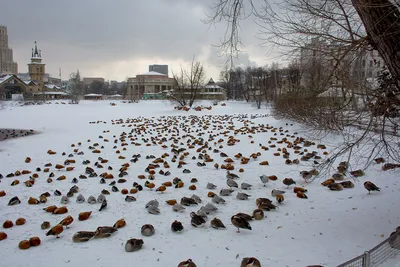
(52, 93)
(93, 95)
(152, 73)
(5, 77)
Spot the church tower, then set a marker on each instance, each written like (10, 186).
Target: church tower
(36, 67)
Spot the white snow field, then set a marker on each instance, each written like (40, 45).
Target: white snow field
(328, 228)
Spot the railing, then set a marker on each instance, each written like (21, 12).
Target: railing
(386, 250)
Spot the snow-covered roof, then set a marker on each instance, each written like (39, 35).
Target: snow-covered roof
(5, 77)
(152, 73)
(51, 93)
(52, 86)
(93, 95)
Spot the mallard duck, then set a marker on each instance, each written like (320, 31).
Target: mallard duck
(240, 222)
(133, 245)
(245, 186)
(218, 200)
(276, 192)
(148, 230)
(245, 216)
(197, 221)
(130, 199)
(178, 207)
(153, 202)
(335, 187)
(92, 200)
(83, 236)
(176, 226)
(80, 199)
(187, 201)
(211, 186)
(264, 179)
(288, 181)
(104, 231)
(45, 225)
(250, 262)
(217, 224)
(196, 198)
(258, 214)
(242, 196)
(153, 210)
(101, 198)
(188, 263)
(103, 205)
(370, 186)
(14, 201)
(232, 183)
(226, 192)
(347, 184)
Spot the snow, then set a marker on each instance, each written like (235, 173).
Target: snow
(152, 73)
(328, 228)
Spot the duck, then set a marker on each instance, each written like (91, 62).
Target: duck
(67, 221)
(178, 207)
(196, 198)
(147, 230)
(264, 179)
(230, 175)
(347, 184)
(250, 262)
(130, 199)
(245, 216)
(370, 186)
(187, 201)
(288, 181)
(14, 201)
(104, 231)
(153, 202)
(335, 187)
(56, 230)
(83, 216)
(240, 222)
(276, 192)
(80, 199)
(176, 226)
(120, 223)
(217, 224)
(258, 214)
(218, 200)
(211, 186)
(83, 236)
(92, 200)
(187, 263)
(242, 196)
(226, 192)
(280, 199)
(245, 186)
(45, 225)
(153, 210)
(64, 200)
(232, 183)
(133, 244)
(197, 221)
(103, 205)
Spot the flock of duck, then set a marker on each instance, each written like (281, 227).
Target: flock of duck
(181, 141)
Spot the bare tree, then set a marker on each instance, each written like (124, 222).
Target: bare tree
(343, 28)
(188, 84)
(77, 87)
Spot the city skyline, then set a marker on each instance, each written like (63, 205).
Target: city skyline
(120, 40)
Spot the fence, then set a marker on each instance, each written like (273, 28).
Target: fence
(386, 250)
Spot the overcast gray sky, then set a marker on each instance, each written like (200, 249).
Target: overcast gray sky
(120, 38)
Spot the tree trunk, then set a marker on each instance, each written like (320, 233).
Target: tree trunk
(381, 21)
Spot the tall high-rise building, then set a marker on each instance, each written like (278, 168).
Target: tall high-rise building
(7, 65)
(163, 69)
